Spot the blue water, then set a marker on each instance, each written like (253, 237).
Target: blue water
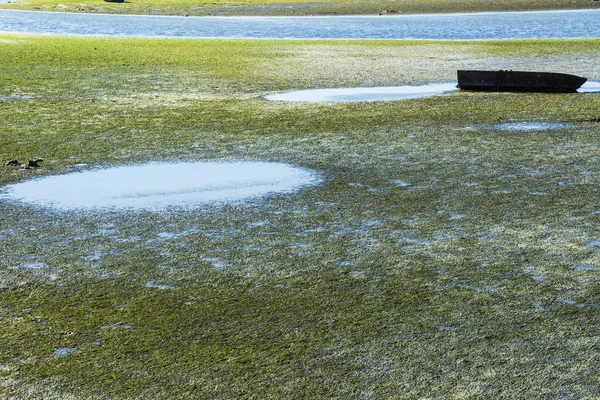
(478, 26)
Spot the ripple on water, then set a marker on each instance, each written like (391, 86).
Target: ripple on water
(365, 93)
(160, 186)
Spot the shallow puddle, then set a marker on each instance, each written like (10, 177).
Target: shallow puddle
(161, 286)
(34, 265)
(14, 96)
(116, 326)
(583, 267)
(529, 126)
(160, 186)
(590, 87)
(365, 93)
(61, 351)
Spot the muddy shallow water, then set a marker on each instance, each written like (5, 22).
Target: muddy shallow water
(160, 186)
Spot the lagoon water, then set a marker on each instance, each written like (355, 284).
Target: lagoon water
(159, 186)
(475, 26)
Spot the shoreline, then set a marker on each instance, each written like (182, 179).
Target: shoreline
(382, 8)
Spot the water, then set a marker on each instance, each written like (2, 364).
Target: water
(158, 186)
(161, 286)
(34, 265)
(475, 26)
(61, 351)
(15, 97)
(364, 94)
(529, 126)
(590, 87)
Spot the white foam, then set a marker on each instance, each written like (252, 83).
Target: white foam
(158, 186)
(384, 93)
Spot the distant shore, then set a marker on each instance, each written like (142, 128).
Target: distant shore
(280, 8)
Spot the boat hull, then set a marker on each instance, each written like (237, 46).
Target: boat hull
(519, 81)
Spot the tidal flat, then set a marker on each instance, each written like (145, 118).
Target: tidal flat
(436, 259)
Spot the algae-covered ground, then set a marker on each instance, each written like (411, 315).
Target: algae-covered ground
(294, 7)
(438, 258)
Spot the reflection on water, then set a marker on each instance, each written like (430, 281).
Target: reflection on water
(158, 186)
(364, 94)
(507, 25)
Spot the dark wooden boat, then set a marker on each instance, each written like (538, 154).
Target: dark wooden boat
(519, 81)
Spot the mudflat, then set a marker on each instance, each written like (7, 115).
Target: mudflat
(438, 257)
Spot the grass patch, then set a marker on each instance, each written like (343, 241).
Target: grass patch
(438, 259)
(294, 7)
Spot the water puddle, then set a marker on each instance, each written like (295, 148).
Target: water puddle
(365, 94)
(34, 265)
(589, 87)
(116, 326)
(538, 277)
(64, 351)
(584, 267)
(161, 186)
(446, 328)
(594, 243)
(528, 126)
(160, 286)
(400, 183)
(569, 302)
(14, 96)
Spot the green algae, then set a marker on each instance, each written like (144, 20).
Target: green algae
(406, 274)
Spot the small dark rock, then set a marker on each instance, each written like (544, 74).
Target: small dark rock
(13, 163)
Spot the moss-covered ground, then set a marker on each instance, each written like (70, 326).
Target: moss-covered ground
(293, 7)
(438, 259)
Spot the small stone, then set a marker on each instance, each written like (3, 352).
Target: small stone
(13, 163)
